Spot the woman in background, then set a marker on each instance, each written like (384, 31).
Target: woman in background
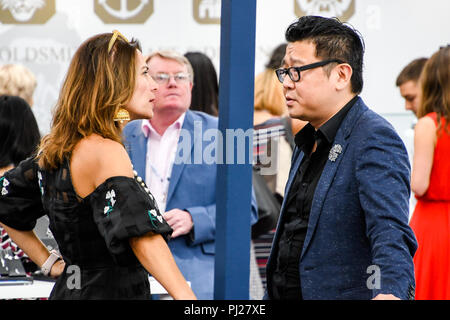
(430, 181)
(205, 92)
(19, 132)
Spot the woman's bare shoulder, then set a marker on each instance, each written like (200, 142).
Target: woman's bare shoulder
(425, 122)
(425, 129)
(97, 159)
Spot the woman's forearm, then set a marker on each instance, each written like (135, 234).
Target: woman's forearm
(154, 254)
(29, 243)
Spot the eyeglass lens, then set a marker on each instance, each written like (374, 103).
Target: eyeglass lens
(294, 74)
(165, 77)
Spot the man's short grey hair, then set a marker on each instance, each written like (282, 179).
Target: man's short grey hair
(173, 55)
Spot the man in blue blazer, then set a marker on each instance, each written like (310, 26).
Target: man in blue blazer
(168, 152)
(343, 230)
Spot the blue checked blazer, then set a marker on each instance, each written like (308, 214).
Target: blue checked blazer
(358, 243)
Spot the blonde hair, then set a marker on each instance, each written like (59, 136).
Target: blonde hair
(173, 55)
(97, 84)
(269, 93)
(435, 85)
(17, 80)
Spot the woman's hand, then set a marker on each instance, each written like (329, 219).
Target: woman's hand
(57, 269)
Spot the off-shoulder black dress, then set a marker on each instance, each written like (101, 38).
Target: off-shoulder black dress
(92, 232)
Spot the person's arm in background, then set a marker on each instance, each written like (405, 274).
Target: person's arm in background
(34, 248)
(424, 144)
(20, 207)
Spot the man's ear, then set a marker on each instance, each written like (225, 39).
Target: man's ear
(343, 76)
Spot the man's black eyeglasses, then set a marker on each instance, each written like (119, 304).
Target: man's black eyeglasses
(294, 72)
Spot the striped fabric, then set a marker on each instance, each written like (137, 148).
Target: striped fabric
(263, 137)
(262, 246)
(6, 242)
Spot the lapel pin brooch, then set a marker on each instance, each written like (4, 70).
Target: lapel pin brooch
(334, 152)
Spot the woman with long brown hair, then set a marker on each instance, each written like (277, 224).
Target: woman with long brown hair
(105, 220)
(430, 180)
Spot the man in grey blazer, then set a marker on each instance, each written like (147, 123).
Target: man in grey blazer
(343, 230)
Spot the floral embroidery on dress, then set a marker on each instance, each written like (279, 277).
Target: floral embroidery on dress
(110, 196)
(154, 215)
(4, 183)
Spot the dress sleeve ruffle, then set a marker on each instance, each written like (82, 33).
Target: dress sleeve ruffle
(20, 196)
(122, 209)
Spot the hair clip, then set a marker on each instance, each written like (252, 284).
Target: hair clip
(114, 37)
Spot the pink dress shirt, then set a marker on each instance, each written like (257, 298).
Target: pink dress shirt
(161, 150)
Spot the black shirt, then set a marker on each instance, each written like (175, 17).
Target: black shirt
(294, 224)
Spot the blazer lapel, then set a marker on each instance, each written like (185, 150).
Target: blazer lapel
(322, 188)
(177, 169)
(330, 169)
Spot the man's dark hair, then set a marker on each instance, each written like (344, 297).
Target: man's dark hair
(411, 72)
(333, 40)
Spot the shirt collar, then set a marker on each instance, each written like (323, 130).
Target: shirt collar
(147, 127)
(330, 128)
(306, 137)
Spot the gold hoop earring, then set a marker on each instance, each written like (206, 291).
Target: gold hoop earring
(122, 115)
